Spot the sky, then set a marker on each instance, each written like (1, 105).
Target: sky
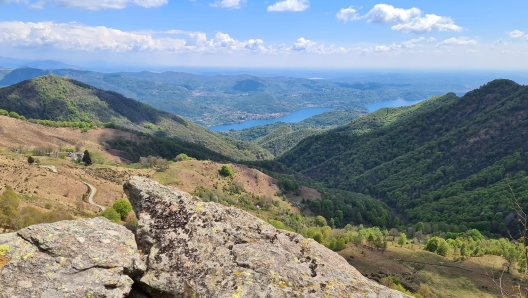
(323, 34)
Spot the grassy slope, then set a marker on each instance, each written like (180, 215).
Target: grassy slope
(443, 163)
(414, 267)
(60, 99)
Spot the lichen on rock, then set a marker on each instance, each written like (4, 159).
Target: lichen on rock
(82, 258)
(198, 249)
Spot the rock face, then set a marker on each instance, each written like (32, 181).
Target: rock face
(83, 258)
(197, 249)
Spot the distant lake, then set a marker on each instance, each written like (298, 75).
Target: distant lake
(373, 107)
(297, 116)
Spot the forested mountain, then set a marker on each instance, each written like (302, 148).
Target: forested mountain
(444, 161)
(221, 99)
(64, 100)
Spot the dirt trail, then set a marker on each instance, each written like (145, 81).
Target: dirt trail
(93, 190)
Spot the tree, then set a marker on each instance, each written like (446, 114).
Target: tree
(394, 232)
(8, 208)
(111, 215)
(402, 239)
(31, 160)
(320, 221)
(226, 171)
(87, 159)
(122, 207)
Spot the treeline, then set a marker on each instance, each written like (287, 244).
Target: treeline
(167, 148)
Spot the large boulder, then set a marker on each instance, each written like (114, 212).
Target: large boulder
(198, 249)
(82, 258)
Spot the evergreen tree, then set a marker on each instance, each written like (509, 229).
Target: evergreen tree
(31, 160)
(87, 159)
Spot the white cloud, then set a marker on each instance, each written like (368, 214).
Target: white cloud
(460, 41)
(290, 5)
(308, 46)
(93, 4)
(516, 34)
(388, 14)
(228, 3)
(347, 15)
(409, 20)
(79, 37)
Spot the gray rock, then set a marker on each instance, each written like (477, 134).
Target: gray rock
(198, 249)
(83, 258)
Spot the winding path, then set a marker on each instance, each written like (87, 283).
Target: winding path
(93, 190)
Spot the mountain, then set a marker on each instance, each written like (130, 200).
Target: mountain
(11, 62)
(48, 64)
(59, 99)
(221, 99)
(443, 161)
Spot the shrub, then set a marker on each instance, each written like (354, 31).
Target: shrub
(320, 221)
(122, 207)
(14, 115)
(31, 160)
(226, 171)
(111, 215)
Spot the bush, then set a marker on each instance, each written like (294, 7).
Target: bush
(14, 115)
(226, 172)
(122, 207)
(183, 157)
(111, 215)
(31, 160)
(320, 221)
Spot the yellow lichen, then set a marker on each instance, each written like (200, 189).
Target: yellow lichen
(4, 249)
(237, 294)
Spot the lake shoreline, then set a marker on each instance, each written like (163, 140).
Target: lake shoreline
(294, 117)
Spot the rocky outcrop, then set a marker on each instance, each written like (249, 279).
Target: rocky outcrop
(197, 249)
(83, 258)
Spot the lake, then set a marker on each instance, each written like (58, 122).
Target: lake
(296, 116)
(373, 107)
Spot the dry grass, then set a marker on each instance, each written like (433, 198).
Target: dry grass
(414, 267)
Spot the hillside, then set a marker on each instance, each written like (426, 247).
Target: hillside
(60, 99)
(221, 99)
(444, 162)
(280, 137)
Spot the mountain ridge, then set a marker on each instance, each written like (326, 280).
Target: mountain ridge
(60, 99)
(432, 165)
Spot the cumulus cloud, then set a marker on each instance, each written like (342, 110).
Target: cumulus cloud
(235, 4)
(79, 37)
(516, 34)
(92, 4)
(347, 15)
(290, 5)
(458, 41)
(410, 20)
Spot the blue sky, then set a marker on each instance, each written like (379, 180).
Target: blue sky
(279, 33)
